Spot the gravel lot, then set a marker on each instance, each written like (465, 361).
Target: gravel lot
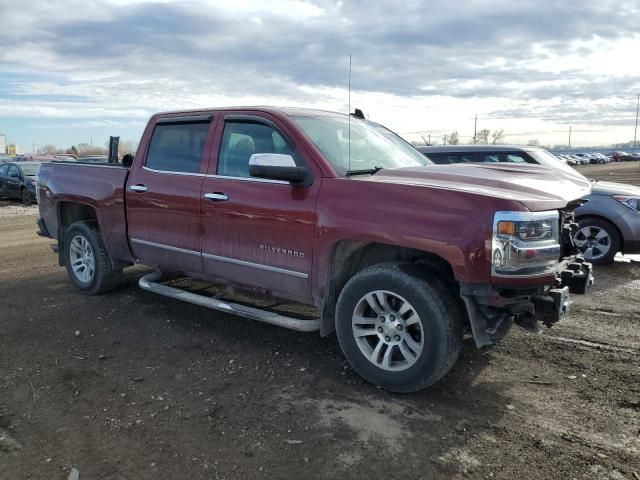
(153, 388)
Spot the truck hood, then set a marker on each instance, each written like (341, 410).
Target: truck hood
(536, 187)
(611, 188)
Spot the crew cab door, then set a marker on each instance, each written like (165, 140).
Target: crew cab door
(257, 232)
(164, 190)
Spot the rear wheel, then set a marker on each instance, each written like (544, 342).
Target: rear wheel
(397, 329)
(26, 197)
(87, 261)
(598, 240)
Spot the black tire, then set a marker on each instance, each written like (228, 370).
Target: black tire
(439, 315)
(104, 277)
(25, 195)
(614, 236)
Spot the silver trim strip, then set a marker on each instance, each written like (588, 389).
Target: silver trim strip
(250, 179)
(256, 265)
(234, 261)
(169, 172)
(84, 164)
(165, 247)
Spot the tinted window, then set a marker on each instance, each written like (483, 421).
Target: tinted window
(443, 158)
(4, 169)
(240, 140)
(177, 148)
(497, 157)
(13, 171)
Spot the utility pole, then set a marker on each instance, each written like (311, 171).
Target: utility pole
(475, 128)
(569, 137)
(635, 132)
(430, 136)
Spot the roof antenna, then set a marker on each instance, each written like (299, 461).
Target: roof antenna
(349, 112)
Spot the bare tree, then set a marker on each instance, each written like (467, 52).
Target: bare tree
(452, 138)
(496, 136)
(48, 150)
(127, 146)
(534, 142)
(483, 136)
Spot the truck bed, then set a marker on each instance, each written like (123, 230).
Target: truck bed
(98, 188)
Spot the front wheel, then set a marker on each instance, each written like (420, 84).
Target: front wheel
(87, 261)
(397, 329)
(598, 240)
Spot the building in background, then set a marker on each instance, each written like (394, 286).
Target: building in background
(3, 143)
(13, 150)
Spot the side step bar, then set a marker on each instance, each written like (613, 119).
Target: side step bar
(150, 283)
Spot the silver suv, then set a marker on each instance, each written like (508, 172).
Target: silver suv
(609, 221)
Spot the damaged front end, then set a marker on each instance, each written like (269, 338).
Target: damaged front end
(527, 245)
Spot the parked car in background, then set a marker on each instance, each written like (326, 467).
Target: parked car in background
(34, 158)
(601, 157)
(587, 157)
(576, 159)
(4, 158)
(66, 157)
(610, 220)
(94, 159)
(568, 159)
(620, 156)
(18, 180)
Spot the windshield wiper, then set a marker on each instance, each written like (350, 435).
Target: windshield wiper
(365, 171)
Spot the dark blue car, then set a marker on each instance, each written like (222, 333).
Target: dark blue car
(18, 180)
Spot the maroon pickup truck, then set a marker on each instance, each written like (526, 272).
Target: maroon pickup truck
(400, 257)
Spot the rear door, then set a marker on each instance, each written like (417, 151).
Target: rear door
(163, 193)
(257, 232)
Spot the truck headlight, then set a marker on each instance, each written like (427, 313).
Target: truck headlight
(525, 243)
(632, 202)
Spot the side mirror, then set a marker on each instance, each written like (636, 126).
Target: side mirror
(275, 166)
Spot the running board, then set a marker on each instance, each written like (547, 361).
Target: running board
(150, 283)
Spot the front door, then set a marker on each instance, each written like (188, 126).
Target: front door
(163, 194)
(257, 232)
(13, 182)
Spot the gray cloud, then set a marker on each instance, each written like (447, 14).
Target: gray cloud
(410, 48)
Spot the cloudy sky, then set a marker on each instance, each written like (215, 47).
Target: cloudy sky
(72, 71)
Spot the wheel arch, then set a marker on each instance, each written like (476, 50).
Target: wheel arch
(70, 212)
(348, 257)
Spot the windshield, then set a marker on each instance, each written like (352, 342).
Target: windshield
(372, 145)
(545, 158)
(30, 170)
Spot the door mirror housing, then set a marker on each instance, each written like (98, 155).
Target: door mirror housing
(276, 166)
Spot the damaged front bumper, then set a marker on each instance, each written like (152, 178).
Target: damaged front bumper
(492, 310)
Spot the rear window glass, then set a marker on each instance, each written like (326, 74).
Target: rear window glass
(178, 147)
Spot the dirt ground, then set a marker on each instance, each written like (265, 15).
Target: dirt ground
(130, 385)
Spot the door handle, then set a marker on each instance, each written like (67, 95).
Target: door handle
(217, 196)
(138, 188)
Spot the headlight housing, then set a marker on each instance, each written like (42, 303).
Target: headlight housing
(632, 202)
(525, 243)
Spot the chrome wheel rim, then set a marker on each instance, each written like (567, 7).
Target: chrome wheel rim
(83, 262)
(387, 330)
(594, 242)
